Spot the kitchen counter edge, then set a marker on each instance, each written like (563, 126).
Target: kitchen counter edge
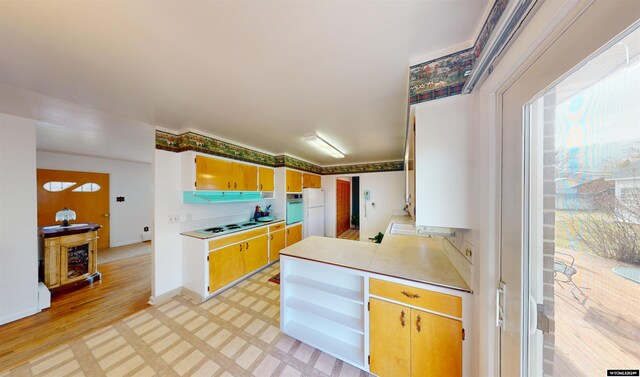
(196, 234)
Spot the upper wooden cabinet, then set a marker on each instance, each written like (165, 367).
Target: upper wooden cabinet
(265, 179)
(245, 177)
(294, 181)
(215, 174)
(310, 180)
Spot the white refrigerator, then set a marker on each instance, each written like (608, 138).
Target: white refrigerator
(313, 223)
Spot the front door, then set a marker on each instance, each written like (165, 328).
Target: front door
(85, 193)
(529, 182)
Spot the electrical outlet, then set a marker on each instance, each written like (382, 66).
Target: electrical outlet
(174, 218)
(187, 217)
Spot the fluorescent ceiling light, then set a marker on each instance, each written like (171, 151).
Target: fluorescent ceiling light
(322, 145)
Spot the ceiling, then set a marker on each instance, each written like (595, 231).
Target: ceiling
(262, 74)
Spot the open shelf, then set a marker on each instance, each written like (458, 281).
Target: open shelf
(326, 343)
(348, 321)
(349, 294)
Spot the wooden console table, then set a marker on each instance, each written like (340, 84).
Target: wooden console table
(70, 255)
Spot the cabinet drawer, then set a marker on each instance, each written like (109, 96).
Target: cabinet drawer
(438, 302)
(228, 240)
(275, 227)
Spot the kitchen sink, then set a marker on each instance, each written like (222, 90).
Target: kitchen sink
(403, 229)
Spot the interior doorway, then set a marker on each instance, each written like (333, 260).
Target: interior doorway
(348, 208)
(85, 193)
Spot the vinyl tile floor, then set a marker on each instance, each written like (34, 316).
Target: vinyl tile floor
(236, 333)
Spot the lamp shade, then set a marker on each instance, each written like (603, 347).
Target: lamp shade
(65, 215)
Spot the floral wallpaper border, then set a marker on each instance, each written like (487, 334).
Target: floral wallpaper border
(191, 141)
(446, 75)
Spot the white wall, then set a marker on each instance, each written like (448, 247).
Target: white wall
(18, 219)
(387, 192)
(133, 180)
(167, 255)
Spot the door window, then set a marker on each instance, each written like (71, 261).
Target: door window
(584, 218)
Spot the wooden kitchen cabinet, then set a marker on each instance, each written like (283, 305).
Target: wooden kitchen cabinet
(255, 253)
(265, 179)
(294, 181)
(436, 345)
(390, 338)
(276, 243)
(245, 177)
(410, 340)
(213, 173)
(310, 180)
(293, 234)
(225, 266)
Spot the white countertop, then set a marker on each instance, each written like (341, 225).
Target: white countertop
(414, 258)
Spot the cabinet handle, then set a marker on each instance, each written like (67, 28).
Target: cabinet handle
(240, 247)
(235, 184)
(271, 238)
(410, 295)
(402, 318)
(247, 243)
(287, 187)
(418, 324)
(261, 187)
(228, 184)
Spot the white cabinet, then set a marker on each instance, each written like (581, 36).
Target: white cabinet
(443, 162)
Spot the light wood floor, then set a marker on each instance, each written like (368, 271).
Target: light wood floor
(124, 289)
(350, 234)
(602, 332)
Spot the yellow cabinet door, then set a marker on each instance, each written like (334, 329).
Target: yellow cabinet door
(265, 179)
(245, 177)
(225, 266)
(390, 339)
(436, 345)
(276, 243)
(256, 253)
(213, 174)
(293, 234)
(310, 180)
(294, 181)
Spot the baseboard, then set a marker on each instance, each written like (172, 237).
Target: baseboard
(17, 316)
(157, 300)
(125, 243)
(189, 293)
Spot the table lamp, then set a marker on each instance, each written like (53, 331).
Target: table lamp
(65, 215)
